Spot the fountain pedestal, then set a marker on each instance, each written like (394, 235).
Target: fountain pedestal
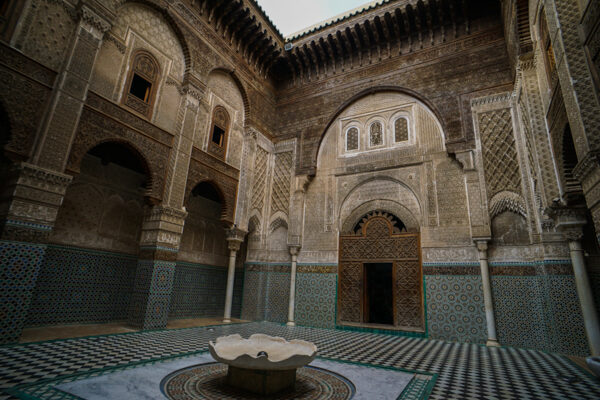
(262, 364)
(261, 382)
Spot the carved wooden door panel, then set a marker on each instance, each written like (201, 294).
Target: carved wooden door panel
(377, 240)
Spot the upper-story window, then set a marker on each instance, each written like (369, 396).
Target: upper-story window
(352, 139)
(400, 130)
(217, 143)
(142, 83)
(376, 134)
(546, 46)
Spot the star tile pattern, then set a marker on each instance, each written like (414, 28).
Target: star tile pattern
(465, 371)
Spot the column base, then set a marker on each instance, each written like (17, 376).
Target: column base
(492, 343)
(226, 320)
(291, 323)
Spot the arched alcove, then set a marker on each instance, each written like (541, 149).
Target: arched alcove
(89, 266)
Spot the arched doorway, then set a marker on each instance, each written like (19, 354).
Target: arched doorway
(380, 275)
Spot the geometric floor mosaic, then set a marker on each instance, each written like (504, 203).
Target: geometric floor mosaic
(461, 370)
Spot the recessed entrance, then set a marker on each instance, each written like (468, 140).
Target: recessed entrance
(379, 293)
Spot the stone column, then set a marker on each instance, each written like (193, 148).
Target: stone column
(482, 247)
(291, 309)
(235, 237)
(151, 298)
(570, 221)
(31, 198)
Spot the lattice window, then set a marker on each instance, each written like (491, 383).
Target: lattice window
(219, 132)
(352, 139)
(376, 134)
(401, 130)
(142, 83)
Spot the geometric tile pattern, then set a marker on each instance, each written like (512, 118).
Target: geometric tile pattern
(77, 285)
(539, 312)
(266, 296)
(19, 267)
(518, 311)
(455, 309)
(464, 370)
(199, 291)
(315, 299)
(150, 301)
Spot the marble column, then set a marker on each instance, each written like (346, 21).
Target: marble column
(482, 247)
(292, 304)
(570, 221)
(235, 237)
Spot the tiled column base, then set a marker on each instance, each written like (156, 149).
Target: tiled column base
(19, 266)
(149, 307)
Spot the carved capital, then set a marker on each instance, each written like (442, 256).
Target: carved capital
(162, 228)
(482, 246)
(235, 237)
(302, 183)
(294, 249)
(587, 165)
(568, 220)
(466, 160)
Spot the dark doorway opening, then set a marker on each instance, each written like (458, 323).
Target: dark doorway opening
(379, 294)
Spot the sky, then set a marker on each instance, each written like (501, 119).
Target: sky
(290, 16)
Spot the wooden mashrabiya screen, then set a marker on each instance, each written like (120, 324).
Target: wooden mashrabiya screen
(378, 241)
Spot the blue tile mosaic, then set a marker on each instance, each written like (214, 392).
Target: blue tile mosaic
(455, 309)
(19, 267)
(199, 291)
(316, 299)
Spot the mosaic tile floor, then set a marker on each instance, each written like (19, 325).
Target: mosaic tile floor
(464, 371)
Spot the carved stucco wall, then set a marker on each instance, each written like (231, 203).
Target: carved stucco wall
(102, 209)
(203, 240)
(140, 27)
(223, 91)
(416, 179)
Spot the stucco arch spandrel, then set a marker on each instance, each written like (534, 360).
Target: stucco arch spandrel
(166, 13)
(240, 87)
(428, 105)
(401, 200)
(348, 222)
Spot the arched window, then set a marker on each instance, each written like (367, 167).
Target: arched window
(546, 46)
(217, 143)
(352, 139)
(376, 134)
(401, 130)
(142, 82)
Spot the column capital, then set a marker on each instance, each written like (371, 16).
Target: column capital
(482, 244)
(294, 249)
(569, 220)
(235, 237)
(466, 160)
(161, 232)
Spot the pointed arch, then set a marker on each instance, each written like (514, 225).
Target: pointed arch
(240, 87)
(166, 13)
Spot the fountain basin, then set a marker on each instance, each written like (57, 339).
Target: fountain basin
(262, 364)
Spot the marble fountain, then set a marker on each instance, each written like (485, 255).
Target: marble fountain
(262, 364)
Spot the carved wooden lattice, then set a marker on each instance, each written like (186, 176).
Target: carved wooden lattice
(379, 242)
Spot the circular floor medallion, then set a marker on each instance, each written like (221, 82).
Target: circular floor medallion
(205, 381)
